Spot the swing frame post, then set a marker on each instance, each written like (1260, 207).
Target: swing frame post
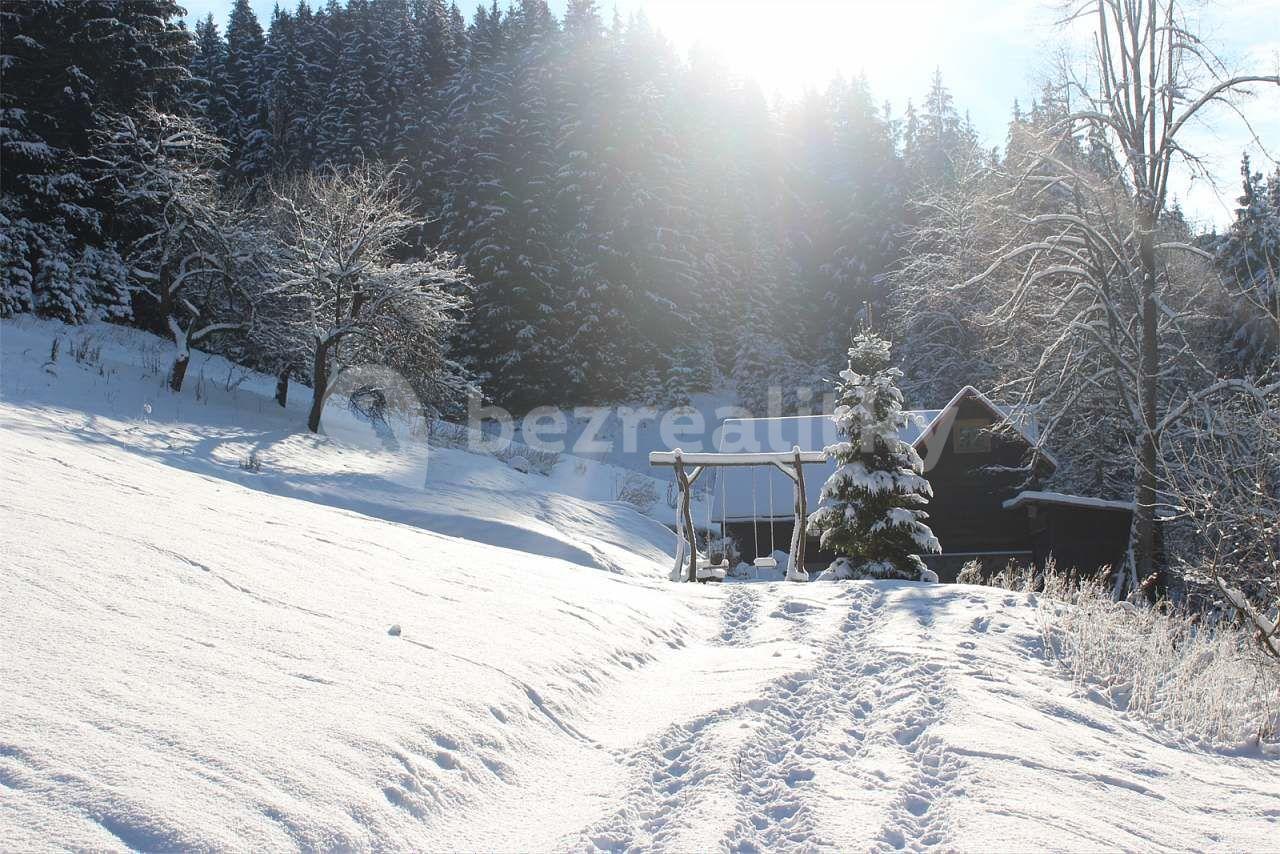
(796, 564)
(686, 513)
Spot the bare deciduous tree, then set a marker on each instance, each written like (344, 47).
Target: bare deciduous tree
(1225, 482)
(351, 301)
(953, 233)
(195, 249)
(1092, 272)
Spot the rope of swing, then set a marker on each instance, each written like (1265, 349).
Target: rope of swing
(709, 498)
(755, 519)
(772, 547)
(724, 523)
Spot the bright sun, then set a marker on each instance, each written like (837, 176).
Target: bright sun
(787, 46)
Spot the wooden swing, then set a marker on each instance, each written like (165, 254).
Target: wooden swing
(702, 568)
(709, 570)
(769, 561)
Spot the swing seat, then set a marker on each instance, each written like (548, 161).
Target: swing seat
(765, 563)
(708, 571)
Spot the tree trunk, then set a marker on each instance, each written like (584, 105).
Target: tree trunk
(319, 385)
(1148, 379)
(178, 372)
(282, 387)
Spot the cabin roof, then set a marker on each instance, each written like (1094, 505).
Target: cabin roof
(1032, 496)
(1085, 502)
(1021, 419)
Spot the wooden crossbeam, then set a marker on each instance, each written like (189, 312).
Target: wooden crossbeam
(786, 458)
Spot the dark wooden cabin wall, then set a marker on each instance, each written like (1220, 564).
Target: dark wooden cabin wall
(966, 512)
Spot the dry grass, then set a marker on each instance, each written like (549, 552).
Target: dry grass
(1200, 676)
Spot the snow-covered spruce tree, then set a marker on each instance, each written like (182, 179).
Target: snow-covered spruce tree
(208, 71)
(250, 140)
(1249, 258)
(64, 66)
(870, 512)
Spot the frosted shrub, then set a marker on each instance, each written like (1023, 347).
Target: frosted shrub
(537, 461)
(442, 434)
(1210, 683)
(637, 490)
(1019, 577)
(971, 573)
(1015, 576)
(86, 349)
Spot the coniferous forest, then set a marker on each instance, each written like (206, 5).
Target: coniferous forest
(633, 225)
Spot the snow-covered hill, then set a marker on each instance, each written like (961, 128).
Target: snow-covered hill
(340, 651)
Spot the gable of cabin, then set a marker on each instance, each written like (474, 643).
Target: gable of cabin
(976, 467)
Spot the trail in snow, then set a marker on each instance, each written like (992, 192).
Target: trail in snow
(745, 777)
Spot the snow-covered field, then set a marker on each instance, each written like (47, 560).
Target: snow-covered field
(196, 655)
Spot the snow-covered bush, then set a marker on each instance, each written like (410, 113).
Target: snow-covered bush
(971, 573)
(533, 460)
(1225, 488)
(637, 490)
(1209, 682)
(870, 511)
(443, 434)
(1022, 576)
(86, 349)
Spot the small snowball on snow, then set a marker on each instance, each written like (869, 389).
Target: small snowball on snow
(394, 631)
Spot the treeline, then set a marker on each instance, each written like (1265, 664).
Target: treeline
(635, 225)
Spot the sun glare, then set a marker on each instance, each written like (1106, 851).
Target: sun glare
(787, 47)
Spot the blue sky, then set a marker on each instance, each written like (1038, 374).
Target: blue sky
(990, 52)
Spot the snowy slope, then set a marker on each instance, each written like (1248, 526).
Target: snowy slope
(197, 656)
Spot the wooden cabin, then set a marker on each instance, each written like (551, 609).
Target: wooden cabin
(985, 507)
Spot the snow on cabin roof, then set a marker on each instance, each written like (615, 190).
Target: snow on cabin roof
(813, 433)
(1032, 496)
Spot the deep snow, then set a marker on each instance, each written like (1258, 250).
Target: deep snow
(193, 655)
